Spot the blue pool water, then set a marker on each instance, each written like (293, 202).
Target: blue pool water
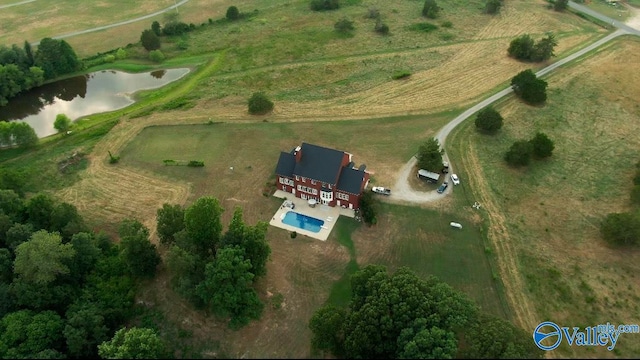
(302, 221)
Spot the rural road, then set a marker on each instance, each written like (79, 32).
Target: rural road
(16, 4)
(104, 27)
(402, 192)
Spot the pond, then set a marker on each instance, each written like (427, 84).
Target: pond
(83, 95)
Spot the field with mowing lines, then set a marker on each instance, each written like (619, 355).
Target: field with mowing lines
(551, 211)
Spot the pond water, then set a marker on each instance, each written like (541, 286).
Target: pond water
(83, 95)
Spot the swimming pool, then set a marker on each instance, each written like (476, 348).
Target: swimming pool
(302, 221)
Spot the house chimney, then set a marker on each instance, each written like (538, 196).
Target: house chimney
(298, 153)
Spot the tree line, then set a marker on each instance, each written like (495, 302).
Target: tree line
(22, 69)
(66, 291)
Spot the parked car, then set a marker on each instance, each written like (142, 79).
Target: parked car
(445, 167)
(443, 187)
(381, 190)
(455, 180)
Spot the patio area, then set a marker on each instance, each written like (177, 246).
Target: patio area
(328, 214)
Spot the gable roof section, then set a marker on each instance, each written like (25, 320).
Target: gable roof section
(286, 163)
(351, 180)
(319, 163)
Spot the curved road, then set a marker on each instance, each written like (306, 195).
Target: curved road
(402, 191)
(174, 6)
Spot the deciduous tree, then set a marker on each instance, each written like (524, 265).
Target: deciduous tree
(542, 146)
(133, 343)
(62, 123)
(170, 220)
(259, 104)
(56, 57)
(150, 41)
(560, 5)
(138, 252)
(227, 287)
(43, 258)
(233, 13)
(202, 222)
(84, 330)
(430, 9)
(519, 154)
(529, 88)
(488, 120)
(493, 6)
(326, 325)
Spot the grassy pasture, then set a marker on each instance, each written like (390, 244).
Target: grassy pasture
(313, 75)
(553, 208)
(36, 20)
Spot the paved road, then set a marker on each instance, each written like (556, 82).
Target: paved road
(402, 191)
(16, 4)
(116, 24)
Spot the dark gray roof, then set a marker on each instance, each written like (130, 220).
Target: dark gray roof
(286, 163)
(351, 180)
(319, 163)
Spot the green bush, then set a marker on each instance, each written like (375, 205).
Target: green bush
(401, 74)
(293, 234)
(195, 163)
(489, 120)
(109, 58)
(156, 56)
(423, 27)
(344, 25)
(621, 228)
(113, 159)
(447, 24)
(430, 9)
(322, 5)
(259, 104)
(121, 54)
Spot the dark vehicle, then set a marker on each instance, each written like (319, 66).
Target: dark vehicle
(443, 187)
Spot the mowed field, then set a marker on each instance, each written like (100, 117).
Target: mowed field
(321, 84)
(551, 210)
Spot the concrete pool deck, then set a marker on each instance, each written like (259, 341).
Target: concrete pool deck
(328, 214)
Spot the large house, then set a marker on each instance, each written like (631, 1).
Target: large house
(326, 175)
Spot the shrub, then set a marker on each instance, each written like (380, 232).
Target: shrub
(401, 74)
(621, 228)
(195, 163)
(109, 58)
(121, 54)
(182, 45)
(232, 13)
(424, 27)
(155, 27)
(259, 104)
(156, 56)
(62, 123)
(344, 26)
(175, 28)
(293, 234)
(113, 159)
(322, 5)
(381, 28)
(430, 9)
(447, 24)
(373, 13)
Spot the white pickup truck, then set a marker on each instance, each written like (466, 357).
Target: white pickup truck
(381, 190)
